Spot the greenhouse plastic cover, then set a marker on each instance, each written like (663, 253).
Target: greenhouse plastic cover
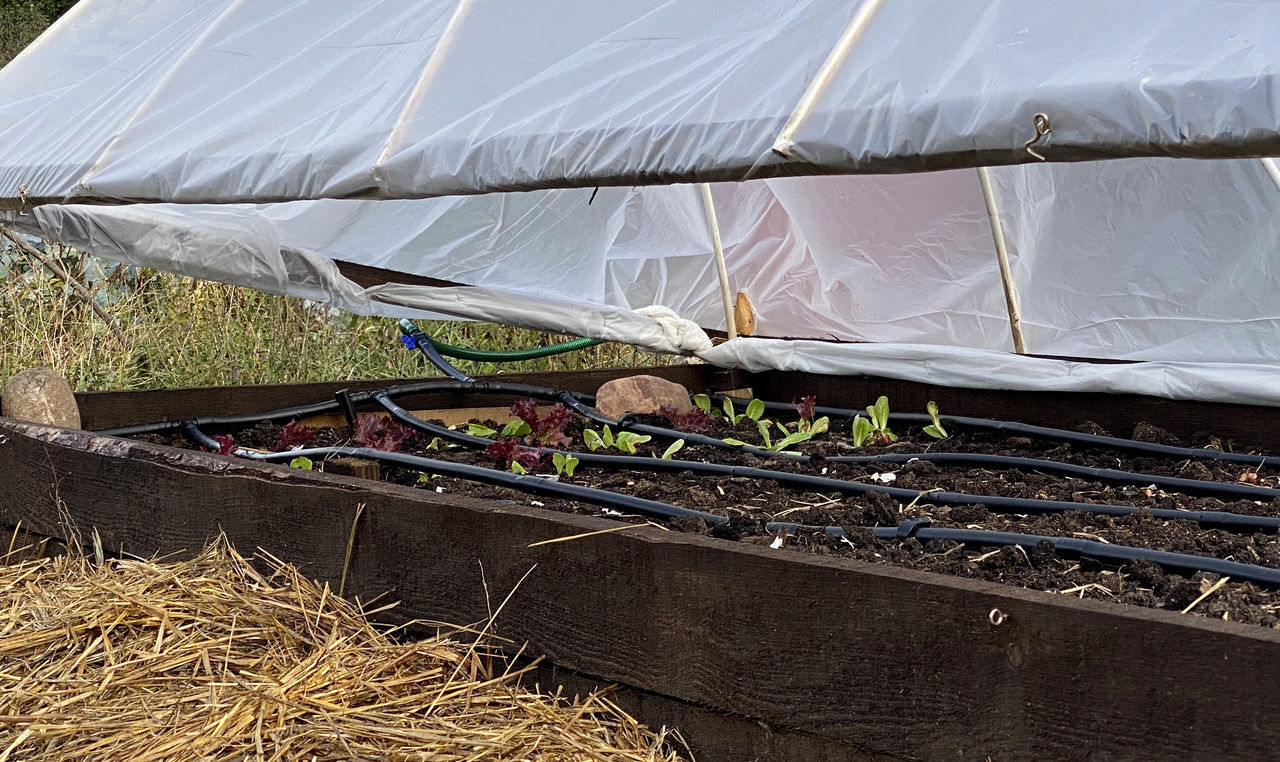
(273, 139)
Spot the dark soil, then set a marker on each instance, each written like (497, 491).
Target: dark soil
(750, 504)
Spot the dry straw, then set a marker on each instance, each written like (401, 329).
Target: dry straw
(209, 659)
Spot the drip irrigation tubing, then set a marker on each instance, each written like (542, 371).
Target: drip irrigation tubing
(1043, 432)
(1067, 546)
(533, 485)
(408, 328)
(574, 402)
(571, 400)
(917, 528)
(1105, 475)
(1217, 519)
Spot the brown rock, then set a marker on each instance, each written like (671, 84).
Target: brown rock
(641, 394)
(40, 395)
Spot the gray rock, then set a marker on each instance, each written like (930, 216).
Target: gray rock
(40, 395)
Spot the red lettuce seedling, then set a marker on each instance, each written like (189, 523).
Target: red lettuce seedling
(226, 444)
(695, 420)
(548, 430)
(294, 433)
(805, 408)
(512, 451)
(380, 432)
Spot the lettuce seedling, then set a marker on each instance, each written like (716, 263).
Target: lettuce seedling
(294, 433)
(381, 433)
(877, 428)
(515, 454)
(303, 463)
(703, 403)
(935, 430)
(673, 449)
(564, 463)
(805, 410)
(623, 441)
(695, 420)
(548, 430)
(754, 411)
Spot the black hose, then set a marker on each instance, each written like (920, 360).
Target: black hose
(1046, 432)
(917, 528)
(332, 406)
(1104, 475)
(533, 485)
(1220, 519)
(1074, 546)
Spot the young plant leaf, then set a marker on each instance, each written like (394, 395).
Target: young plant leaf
(303, 463)
(673, 449)
(734, 442)
(702, 402)
(728, 411)
(862, 430)
(592, 439)
(793, 438)
(626, 441)
(516, 428)
(478, 430)
(936, 430)
(880, 413)
(517, 468)
(755, 409)
(820, 426)
(564, 463)
(763, 426)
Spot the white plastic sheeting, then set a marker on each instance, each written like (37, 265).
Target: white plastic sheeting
(1165, 261)
(270, 100)
(1138, 259)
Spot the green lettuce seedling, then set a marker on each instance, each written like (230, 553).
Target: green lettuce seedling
(303, 463)
(877, 428)
(754, 411)
(623, 441)
(564, 463)
(935, 430)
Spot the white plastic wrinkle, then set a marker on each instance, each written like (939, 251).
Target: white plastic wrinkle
(1249, 384)
(273, 100)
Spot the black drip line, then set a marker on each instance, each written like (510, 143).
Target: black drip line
(917, 528)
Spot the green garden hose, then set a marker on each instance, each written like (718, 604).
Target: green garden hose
(408, 328)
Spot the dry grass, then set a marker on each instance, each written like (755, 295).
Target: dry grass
(171, 331)
(209, 659)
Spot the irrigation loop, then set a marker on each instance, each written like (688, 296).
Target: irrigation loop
(997, 617)
(4, 439)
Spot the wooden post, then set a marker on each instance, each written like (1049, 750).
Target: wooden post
(709, 207)
(1002, 256)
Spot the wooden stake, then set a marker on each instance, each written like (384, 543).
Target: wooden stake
(1002, 256)
(709, 207)
(784, 144)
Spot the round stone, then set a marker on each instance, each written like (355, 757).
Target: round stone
(40, 395)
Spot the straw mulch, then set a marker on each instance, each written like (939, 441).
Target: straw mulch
(208, 659)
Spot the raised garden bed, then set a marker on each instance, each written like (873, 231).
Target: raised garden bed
(834, 654)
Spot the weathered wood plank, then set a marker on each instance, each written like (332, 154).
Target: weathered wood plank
(883, 660)
(106, 410)
(1248, 425)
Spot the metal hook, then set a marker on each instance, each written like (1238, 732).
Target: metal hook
(1041, 123)
(23, 190)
